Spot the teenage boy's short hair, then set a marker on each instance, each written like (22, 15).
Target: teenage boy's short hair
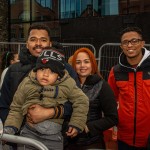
(132, 29)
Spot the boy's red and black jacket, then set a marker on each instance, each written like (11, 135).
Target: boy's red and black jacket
(131, 87)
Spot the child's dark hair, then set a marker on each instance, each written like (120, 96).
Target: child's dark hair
(39, 26)
(132, 29)
(6, 59)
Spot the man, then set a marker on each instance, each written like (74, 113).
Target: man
(38, 38)
(130, 81)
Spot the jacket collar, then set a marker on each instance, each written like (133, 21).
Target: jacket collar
(92, 79)
(123, 60)
(26, 57)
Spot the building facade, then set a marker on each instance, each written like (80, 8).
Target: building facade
(80, 21)
(3, 20)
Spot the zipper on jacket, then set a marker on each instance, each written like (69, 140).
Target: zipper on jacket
(135, 109)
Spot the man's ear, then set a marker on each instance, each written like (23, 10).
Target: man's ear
(143, 43)
(50, 44)
(121, 46)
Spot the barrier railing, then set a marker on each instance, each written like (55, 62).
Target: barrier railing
(20, 140)
(11, 46)
(69, 48)
(108, 57)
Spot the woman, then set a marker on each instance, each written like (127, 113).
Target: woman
(102, 113)
(8, 58)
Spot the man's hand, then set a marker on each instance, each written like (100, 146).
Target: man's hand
(37, 113)
(72, 132)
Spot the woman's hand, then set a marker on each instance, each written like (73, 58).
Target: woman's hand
(36, 113)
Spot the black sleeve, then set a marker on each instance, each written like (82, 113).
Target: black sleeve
(109, 107)
(67, 110)
(5, 97)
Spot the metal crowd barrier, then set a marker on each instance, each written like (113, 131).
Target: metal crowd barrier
(11, 46)
(108, 57)
(20, 140)
(69, 48)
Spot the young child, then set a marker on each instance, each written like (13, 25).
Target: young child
(48, 84)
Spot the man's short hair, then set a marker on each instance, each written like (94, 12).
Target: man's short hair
(39, 26)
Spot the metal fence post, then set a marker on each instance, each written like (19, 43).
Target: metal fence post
(20, 139)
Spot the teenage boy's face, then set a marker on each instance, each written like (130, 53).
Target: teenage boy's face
(131, 44)
(46, 77)
(37, 40)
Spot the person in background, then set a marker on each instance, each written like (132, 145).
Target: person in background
(48, 85)
(8, 58)
(130, 81)
(102, 113)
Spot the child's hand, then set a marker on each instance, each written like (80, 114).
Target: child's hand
(8, 130)
(72, 132)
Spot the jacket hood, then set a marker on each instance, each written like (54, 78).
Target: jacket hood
(123, 60)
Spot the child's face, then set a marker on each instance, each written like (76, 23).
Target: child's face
(46, 77)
